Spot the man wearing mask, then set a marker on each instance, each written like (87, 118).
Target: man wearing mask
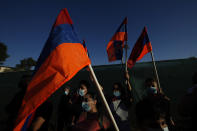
(65, 110)
(151, 116)
(152, 88)
(77, 100)
(156, 95)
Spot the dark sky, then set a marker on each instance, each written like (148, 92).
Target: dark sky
(171, 24)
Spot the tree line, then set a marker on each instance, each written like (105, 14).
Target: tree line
(25, 64)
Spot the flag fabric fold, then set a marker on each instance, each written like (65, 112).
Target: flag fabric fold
(116, 44)
(61, 58)
(85, 47)
(141, 48)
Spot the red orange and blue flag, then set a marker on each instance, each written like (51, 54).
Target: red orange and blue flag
(141, 48)
(116, 44)
(61, 58)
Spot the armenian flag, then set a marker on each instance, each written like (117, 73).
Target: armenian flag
(61, 58)
(141, 48)
(116, 44)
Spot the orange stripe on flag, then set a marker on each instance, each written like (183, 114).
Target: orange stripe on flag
(118, 36)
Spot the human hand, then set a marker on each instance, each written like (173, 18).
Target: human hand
(127, 75)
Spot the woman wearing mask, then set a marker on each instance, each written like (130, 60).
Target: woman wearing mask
(155, 96)
(120, 103)
(91, 118)
(77, 100)
(65, 110)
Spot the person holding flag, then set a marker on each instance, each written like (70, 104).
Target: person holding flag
(120, 104)
(121, 99)
(141, 48)
(61, 58)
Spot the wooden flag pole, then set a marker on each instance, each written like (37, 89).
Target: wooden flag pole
(126, 47)
(103, 98)
(155, 71)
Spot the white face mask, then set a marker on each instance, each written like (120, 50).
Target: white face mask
(165, 129)
(152, 129)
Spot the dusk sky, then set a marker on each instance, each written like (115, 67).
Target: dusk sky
(172, 26)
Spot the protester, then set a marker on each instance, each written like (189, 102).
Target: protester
(152, 108)
(91, 119)
(120, 103)
(13, 107)
(42, 117)
(151, 116)
(152, 88)
(77, 100)
(65, 110)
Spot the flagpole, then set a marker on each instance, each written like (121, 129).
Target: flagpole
(155, 71)
(103, 98)
(126, 46)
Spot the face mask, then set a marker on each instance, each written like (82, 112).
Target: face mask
(85, 106)
(66, 92)
(152, 90)
(117, 93)
(165, 129)
(152, 129)
(81, 92)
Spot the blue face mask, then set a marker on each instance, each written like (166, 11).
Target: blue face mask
(81, 92)
(117, 93)
(85, 106)
(66, 92)
(152, 90)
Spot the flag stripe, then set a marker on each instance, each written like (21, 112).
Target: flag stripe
(62, 33)
(115, 46)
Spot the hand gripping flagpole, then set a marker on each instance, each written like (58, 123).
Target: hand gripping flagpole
(103, 97)
(126, 48)
(155, 71)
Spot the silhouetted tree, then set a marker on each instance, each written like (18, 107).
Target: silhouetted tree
(3, 53)
(26, 64)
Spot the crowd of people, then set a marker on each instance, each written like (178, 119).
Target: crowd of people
(83, 110)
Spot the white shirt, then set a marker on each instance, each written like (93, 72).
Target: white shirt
(123, 114)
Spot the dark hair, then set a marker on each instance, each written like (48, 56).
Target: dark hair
(149, 109)
(194, 78)
(120, 88)
(92, 95)
(84, 82)
(149, 81)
